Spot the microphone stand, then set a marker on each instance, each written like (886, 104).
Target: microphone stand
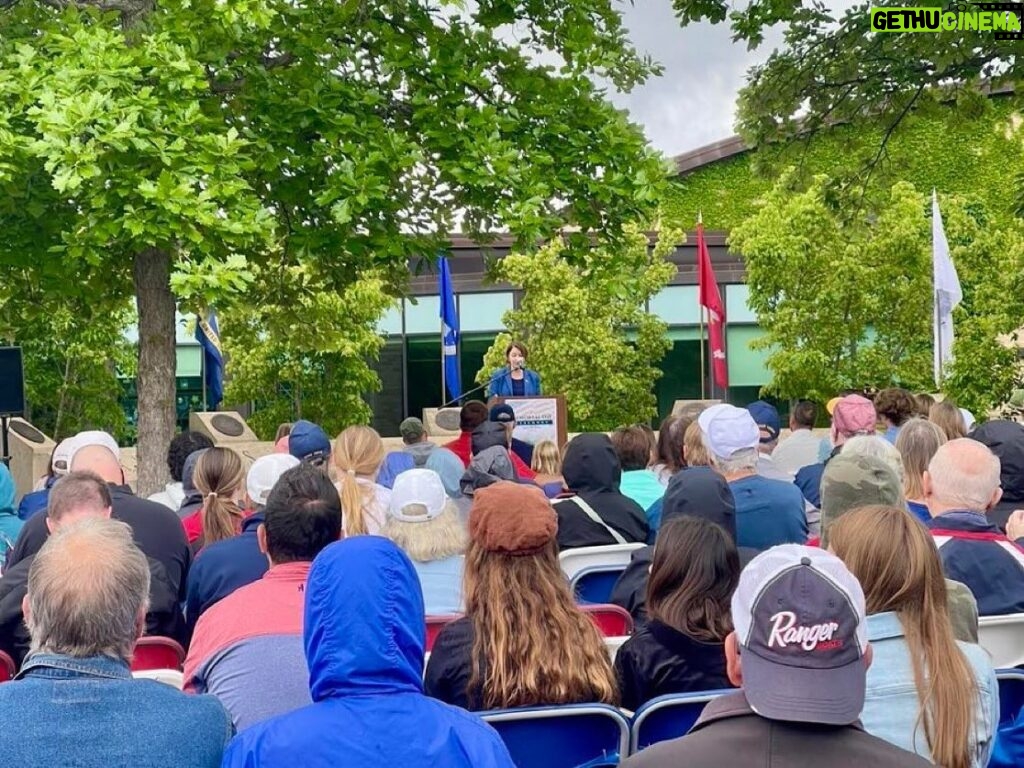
(455, 400)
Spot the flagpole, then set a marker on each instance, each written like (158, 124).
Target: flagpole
(444, 383)
(700, 222)
(937, 341)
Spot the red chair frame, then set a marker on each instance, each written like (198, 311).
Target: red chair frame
(153, 652)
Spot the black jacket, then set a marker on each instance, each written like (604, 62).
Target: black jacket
(164, 617)
(1006, 440)
(449, 667)
(592, 472)
(696, 492)
(156, 529)
(659, 659)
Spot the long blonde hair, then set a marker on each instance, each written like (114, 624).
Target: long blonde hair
(358, 452)
(547, 459)
(694, 450)
(917, 442)
(949, 419)
(538, 647)
(443, 537)
(219, 475)
(898, 565)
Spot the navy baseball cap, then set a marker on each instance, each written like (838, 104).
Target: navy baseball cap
(503, 413)
(767, 418)
(801, 624)
(309, 443)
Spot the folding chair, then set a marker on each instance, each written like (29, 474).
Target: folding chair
(8, 669)
(1003, 638)
(668, 717)
(568, 736)
(594, 584)
(612, 555)
(612, 620)
(153, 652)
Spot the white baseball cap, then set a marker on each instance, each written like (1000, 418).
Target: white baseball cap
(264, 474)
(728, 429)
(62, 456)
(92, 437)
(421, 487)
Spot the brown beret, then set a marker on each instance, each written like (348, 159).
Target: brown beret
(512, 518)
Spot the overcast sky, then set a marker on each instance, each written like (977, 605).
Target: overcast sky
(694, 102)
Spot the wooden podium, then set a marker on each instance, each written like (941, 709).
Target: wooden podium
(539, 417)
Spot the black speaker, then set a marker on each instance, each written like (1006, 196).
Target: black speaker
(12, 382)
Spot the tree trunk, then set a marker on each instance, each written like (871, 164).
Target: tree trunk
(157, 362)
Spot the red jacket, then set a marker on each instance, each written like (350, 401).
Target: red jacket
(462, 448)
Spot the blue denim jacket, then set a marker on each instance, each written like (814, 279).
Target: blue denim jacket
(90, 712)
(891, 706)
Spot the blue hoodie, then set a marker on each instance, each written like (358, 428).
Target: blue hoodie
(10, 523)
(364, 637)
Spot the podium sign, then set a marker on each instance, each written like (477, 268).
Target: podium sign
(539, 417)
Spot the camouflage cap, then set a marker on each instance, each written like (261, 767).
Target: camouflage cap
(850, 482)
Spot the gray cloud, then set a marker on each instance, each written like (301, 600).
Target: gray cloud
(694, 102)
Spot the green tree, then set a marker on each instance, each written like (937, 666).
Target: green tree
(300, 351)
(846, 302)
(587, 328)
(831, 69)
(148, 140)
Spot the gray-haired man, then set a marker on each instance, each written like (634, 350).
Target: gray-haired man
(85, 609)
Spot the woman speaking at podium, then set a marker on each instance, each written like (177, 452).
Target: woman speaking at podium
(514, 379)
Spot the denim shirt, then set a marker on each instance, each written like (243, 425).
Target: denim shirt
(891, 706)
(90, 712)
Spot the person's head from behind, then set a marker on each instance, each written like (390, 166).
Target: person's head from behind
(947, 417)
(536, 644)
(670, 443)
(800, 645)
(917, 442)
(308, 443)
(422, 520)
(263, 476)
(732, 438)
(962, 475)
(358, 453)
(364, 623)
(88, 591)
(181, 446)
(473, 414)
(895, 405)
(547, 459)
(284, 429)
(924, 404)
(852, 415)
(898, 566)
(99, 460)
(75, 497)
(695, 571)
(695, 451)
(503, 414)
(766, 416)
(849, 482)
(633, 448)
(803, 415)
(878, 447)
(412, 431)
(220, 479)
(302, 516)
(703, 493)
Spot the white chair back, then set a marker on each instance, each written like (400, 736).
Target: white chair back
(575, 560)
(1003, 638)
(171, 677)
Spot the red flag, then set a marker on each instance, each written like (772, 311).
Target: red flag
(711, 299)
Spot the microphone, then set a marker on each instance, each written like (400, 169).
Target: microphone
(520, 365)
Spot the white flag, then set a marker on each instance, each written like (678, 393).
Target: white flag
(945, 291)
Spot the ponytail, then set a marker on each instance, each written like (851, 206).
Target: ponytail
(218, 476)
(358, 452)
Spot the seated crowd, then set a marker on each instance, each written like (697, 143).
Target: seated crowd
(834, 584)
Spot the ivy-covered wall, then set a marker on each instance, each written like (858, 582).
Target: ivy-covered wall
(955, 150)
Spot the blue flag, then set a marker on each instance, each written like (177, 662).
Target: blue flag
(208, 336)
(450, 329)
